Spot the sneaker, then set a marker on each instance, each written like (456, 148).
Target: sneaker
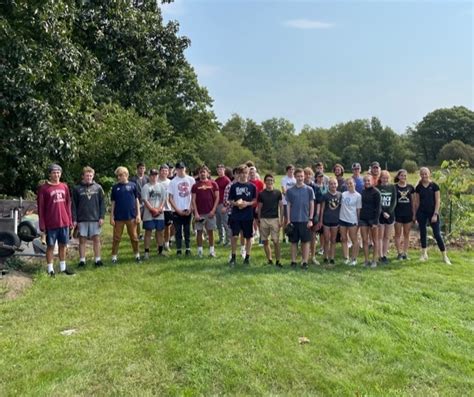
(247, 260)
(423, 257)
(212, 254)
(315, 261)
(321, 252)
(68, 272)
(383, 260)
(347, 261)
(373, 265)
(98, 264)
(166, 247)
(232, 262)
(188, 252)
(399, 257)
(138, 259)
(405, 257)
(243, 253)
(146, 256)
(326, 261)
(447, 261)
(81, 264)
(367, 263)
(304, 266)
(353, 262)
(270, 262)
(162, 253)
(52, 274)
(278, 264)
(114, 261)
(179, 252)
(293, 265)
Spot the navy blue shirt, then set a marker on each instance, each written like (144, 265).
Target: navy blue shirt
(124, 195)
(246, 192)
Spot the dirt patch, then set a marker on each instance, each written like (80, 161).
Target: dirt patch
(14, 283)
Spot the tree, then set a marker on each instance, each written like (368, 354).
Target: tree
(441, 127)
(234, 128)
(457, 150)
(259, 143)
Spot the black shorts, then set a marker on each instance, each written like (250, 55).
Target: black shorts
(331, 224)
(246, 227)
(346, 224)
(386, 221)
(403, 219)
(300, 233)
(168, 218)
(368, 222)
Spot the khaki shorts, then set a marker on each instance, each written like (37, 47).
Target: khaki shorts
(208, 223)
(269, 227)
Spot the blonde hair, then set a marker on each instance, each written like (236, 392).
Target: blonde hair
(87, 169)
(308, 171)
(385, 173)
(121, 170)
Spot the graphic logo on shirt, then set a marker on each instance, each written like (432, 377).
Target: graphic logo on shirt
(349, 200)
(334, 202)
(204, 187)
(404, 196)
(183, 189)
(386, 199)
(155, 194)
(242, 191)
(58, 196)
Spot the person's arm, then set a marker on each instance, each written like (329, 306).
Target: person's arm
(393, 202)
(74, 206)
(311, 213)
(216, 202)
(435, 216)
(137, 206)
(101, 206)
(416, 204)
(280, 211)
(193, 205)
(377, 206)
(68, 205)
(259, 211)
(413, 204)
(288, 211)
(321, 212)
(112, 210)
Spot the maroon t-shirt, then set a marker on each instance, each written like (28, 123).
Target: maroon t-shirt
(54, 206)
(205, 195)
(222, 182)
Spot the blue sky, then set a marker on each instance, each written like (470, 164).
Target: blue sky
(324, 62)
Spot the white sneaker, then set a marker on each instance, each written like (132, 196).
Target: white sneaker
(447, 261)
(373, 265)
(146, 255)
(315, 261)
(353, 262)
(321, 252)
(423, 257)
(347, 261)
(212, 254)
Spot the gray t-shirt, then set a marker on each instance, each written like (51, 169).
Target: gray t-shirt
(155, 194)
(299, 199)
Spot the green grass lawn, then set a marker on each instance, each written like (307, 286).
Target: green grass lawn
(195, 327)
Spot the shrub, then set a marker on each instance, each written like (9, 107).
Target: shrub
(457, 150)
(410, 166)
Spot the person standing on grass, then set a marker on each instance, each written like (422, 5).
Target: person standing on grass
(125, 211)
(254, 179)
(270, 218)
(55, 218)
(205, 199)
(375, 173)
(300, 213)
(404, 213)
(319, 181)
(221, 216)
(242, 198)
(180, 200)
(308, 180)
(154, 197)
(165, 181)
(427, 205)
(358, 180)
(287, 182)
(140, 179)
(338, 171)
(88, 211)
(369, 220)
(329, 219)
(351, 203)
(388, 194)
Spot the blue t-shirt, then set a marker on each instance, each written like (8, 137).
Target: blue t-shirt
(299, 198)
(359, 183)
(246, 192)
(124, 195)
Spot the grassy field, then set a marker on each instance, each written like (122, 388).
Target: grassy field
(195, 327)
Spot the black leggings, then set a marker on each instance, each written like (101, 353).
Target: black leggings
(423, 218)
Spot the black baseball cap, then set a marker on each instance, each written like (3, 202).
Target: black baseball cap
(180, 164)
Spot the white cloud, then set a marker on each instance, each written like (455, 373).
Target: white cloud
(307, 24)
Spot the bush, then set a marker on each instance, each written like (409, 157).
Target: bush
(410, 166)
(457, 150)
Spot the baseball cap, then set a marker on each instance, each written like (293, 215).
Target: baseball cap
(318, 174)
(375, 164)
(356, 165)
(154, 171)
(180, 164)
(54, 167)
(164, 166)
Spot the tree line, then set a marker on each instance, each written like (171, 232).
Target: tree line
(87, 82)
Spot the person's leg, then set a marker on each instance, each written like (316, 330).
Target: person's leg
(178, 226)
(364, 232)
(332, 249)
(187, 231)
(327, 241)
(294, 251)
(82, 250)
(96, 246)
(147, 241)
(345, 250)
(219, 225)
(388, 229)
(406, 237)
(132, 233)
(199, 241)
(422, 220)
(305, 252)
(398, 234)
(159, 236)
(276, 246)
(118, 231)
(437, 235)
(62, 256)
(374, 233)
(379, 244)
(355, 244)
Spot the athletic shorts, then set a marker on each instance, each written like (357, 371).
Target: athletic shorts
(269, 227)
(346, 224)
(403, 219)
(88, 229)
(59, 235)
(368, 222)
(206, 222)
(246, 227)
(300, 233)
(168, 218)
(330, 224)
(386, 221)
(154, 224)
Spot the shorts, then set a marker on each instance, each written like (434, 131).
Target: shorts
(168, 218)
(88, 229)
(206, 222)
(404, 219)
(154, 224)
(386, 221)
(300, 233)
(346, 224)
(59, 235)
(368, 222)
(269, 227)
(330, 224)
(246, 227)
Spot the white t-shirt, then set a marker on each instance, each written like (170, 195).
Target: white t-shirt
(166, 184)
(350, 203)
(180, 189)
(287, 183)
(155, 195)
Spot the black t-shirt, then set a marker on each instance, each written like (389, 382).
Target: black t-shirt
(332, 207)
(245, 192)
(270, 200)
(404, 200)
(427, 197)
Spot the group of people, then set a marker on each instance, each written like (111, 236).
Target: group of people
(308, 209)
